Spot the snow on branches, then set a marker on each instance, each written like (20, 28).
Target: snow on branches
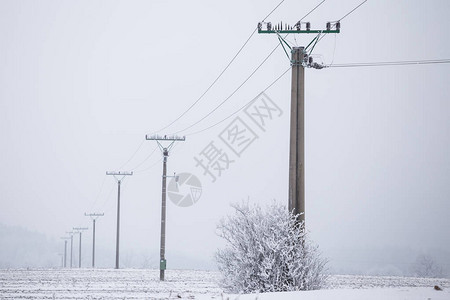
(267, 251)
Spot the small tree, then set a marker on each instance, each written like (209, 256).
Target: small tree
(267, 251)
(425, 266)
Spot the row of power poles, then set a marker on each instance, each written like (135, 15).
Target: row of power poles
(165, 143)
(79, 230)
(299, 60)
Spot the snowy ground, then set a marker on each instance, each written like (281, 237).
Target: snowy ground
(187, 284)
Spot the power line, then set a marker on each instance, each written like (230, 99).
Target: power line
(217, 107)
(392, 63)
(311, 11)
(132, 156)
(210, 86)
(150, 167)
(142, 162)
(353, 10)
(99, 192)
(234, 92)
(272, 10)
(347, 14)
(241, 108)
(218, 77)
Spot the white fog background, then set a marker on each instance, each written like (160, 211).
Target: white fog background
(82, 82)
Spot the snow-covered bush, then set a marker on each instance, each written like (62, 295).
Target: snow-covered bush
(267, 251)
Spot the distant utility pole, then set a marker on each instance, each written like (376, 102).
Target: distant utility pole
(299, 60)
(71, 246)
(65, 249)
(80, 231)
(119, 176)
(94, 216)
(165, 151)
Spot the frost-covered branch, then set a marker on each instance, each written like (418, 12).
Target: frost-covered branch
(267, 251)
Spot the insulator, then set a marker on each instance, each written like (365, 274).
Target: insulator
(310, 59)
(269, 26)
(259, 26)
(328, 26)
(298, 25)
(308, 26)
(338, 25)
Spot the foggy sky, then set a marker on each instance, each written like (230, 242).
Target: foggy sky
(82, 82)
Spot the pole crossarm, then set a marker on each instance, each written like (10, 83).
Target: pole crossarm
(79, 229)
(116, 174)
(157, 137)
(124, 173)
(94, 215)
(171, 138)
(299, 31)
(279, 28)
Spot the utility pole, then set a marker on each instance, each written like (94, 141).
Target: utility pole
(165, 151)
(297, 135)
(94, 216)
(71, 246)
(300, 58)
(80, 231)
(119, 176)
(65, 250)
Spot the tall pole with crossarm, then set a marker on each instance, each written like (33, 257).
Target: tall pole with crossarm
(165, 151)
(119, 176)
(80, 231)
(299, 60)
(71, 246)
(94, 217)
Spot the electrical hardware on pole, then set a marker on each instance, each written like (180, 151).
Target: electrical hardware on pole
(300, 58)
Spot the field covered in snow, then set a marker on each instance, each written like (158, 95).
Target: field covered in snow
(188, 284)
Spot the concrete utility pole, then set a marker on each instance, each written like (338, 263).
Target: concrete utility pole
(80, 231)
(71, 246)
(299, 60)
(65, 250)
(297, 135)
(165, 151)
(94, 217)
(120, 176)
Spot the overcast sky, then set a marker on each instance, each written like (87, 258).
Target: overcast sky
(82, 82)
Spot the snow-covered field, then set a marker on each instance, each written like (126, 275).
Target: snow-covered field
(188, 284)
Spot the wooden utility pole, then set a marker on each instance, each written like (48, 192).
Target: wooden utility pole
(297, 136)
(165, 151)
(119, 176)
